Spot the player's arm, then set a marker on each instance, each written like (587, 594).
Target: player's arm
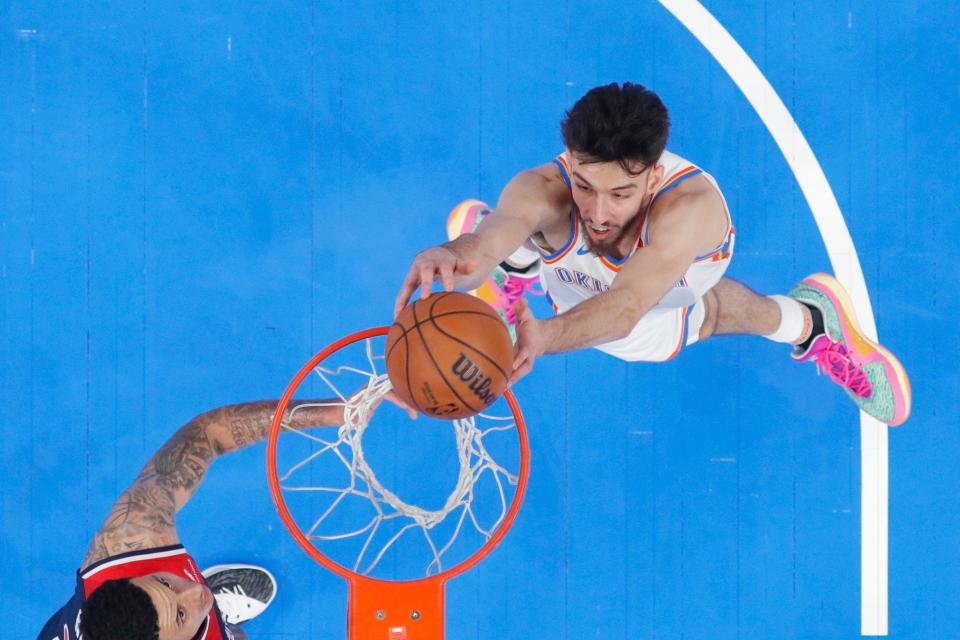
(529, 200)
(145, 514)
(694, 218)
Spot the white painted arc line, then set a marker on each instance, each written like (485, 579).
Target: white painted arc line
(797, 152)
(846, 266)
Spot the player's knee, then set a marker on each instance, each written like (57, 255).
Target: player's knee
(711, 304)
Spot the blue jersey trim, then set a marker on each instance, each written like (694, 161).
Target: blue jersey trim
(563, 173)
(686, 327)
(573, 220)
(566, 245)
(675, 183)
(617, 262)
(724, 246)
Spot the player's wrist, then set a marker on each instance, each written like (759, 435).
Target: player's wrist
(547, 337)
(462, 246)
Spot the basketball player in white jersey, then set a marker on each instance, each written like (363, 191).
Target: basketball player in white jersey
(631, 242)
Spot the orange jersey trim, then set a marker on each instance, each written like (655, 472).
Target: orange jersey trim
(684, 312)
(676, 177)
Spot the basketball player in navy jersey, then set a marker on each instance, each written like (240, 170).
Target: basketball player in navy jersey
(137, 582)
(631, 243)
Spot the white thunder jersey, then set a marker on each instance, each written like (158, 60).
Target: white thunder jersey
(573, 274)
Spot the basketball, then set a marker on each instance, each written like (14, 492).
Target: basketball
(449, 356)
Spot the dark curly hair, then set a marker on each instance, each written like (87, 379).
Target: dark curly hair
(119, 610)
(627, 124)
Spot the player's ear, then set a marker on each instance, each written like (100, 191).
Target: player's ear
(656, 176)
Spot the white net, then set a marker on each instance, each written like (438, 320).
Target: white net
(352, 504)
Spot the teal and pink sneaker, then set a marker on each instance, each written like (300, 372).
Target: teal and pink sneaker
(872, 376)
(502, 289)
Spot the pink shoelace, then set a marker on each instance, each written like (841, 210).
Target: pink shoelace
(837, 363)
(513, 290)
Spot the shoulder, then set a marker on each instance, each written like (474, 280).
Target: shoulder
(551, 190)
(692, 213)
(696, 189)
(548, 177)
(696, 197)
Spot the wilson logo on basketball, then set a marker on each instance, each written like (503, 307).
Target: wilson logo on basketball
(465, 369)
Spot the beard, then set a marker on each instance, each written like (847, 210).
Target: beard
(608, 246)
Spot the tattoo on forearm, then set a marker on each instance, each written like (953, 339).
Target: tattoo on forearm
(145, 514)
(309, 414)
(248, 426)
(182, 462)
(249, 423)
(149, 505)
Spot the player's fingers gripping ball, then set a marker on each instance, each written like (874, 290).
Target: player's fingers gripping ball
(449, 356)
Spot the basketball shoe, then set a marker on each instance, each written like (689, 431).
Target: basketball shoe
(242, 591)
(502, 289)
(872, 377)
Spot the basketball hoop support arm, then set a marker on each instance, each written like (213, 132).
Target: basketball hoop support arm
(395, 611)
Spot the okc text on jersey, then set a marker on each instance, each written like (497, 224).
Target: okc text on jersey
(578, 279)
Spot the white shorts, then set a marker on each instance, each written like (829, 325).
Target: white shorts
(660, 334)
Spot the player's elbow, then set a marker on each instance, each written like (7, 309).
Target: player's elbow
(212, 428)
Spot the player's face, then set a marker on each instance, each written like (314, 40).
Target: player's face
(182, 605)
(610, 201)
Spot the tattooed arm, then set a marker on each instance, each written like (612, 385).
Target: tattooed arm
(145, 514)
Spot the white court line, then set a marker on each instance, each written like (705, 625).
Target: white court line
(846, 266)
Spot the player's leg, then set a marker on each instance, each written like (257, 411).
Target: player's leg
(509, 280)
(819, 320)
(733, 308)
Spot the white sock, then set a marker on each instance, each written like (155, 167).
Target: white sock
(794, 321)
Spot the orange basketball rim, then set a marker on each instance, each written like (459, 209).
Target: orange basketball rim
(384, 609)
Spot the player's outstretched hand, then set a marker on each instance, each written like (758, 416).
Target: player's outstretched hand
(529, 341)
(436, 263)
(391, 397)
(395, 399)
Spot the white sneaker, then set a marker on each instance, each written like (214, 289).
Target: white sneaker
(242, 591)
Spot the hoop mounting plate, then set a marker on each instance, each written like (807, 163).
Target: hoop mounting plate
(380, 610)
